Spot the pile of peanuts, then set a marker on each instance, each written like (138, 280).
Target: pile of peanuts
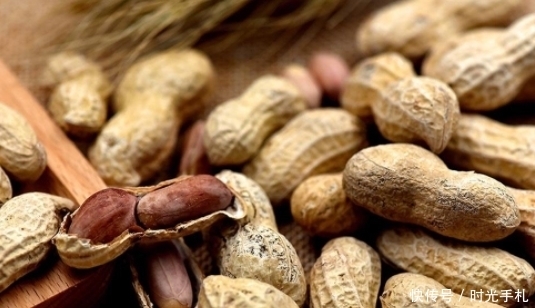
(436, 182)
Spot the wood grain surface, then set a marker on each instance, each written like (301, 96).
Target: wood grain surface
(68, 174)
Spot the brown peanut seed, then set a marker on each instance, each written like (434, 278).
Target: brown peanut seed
(105, 215)
(185, 200)
(330, 71)
(194, 159)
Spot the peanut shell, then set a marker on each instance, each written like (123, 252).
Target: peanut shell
(407, 183)
(21, 155)
(258, 252)
(27, 224)
(257, 206)
(347, 274)
(83, 253)
(314, 142)
(456, 265)
(236, 129)
(6, 192)
(219, 291)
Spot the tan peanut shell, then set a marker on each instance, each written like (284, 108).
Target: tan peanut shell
(154, 98)
(502, 151)
(78, 103)
(22, 156)
(419, 291)
(406, 183)
(6, 192)
(347, 274)
(81, 252)
(483, 38)
(261, 253)
(369, 78)
(411, 27)
(316, 141)
(458, 266)
(141, 288)
(320, 205)
(236, 129)
(219, 291)
(256, 203)
(27, 224)
(488, 78)
(525, 200)
(417, 110)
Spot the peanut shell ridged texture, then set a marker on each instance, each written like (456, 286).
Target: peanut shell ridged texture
(259, 252)
(6, 192)
(485, 38)
(257, 206)
(406, 183)
(79, 101)
(403, 290)
(347, 274)
(134, 144)
(488, 77)
(490, 147)
(417, 110)
(458, 266)
(154, 98)
(184, 76)
(369, 78)
(236, 129)
(223, 292)
(411, 27)
(27, 224)
(320, 205)
(315, 142)
(22, 156)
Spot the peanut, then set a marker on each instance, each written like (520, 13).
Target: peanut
(369, 78)
(108, 213)
(458, 266)
(411, 27)
(498, 150)
(330, 71)
(405, 108)
(22, 156)
(185, 200)
(319, 205)
(6, 192)
(259, 252)
(236, 129)
(27, 224)
(487, 77)
(398, 288)
(407, 183)
(155, 96)
(78, 102)
(168, 281)
(525, 199)
(347, 274)
(300, 77)
(316, 141)
(223, 292)
(194, 159)
(190, 213)
(257, 205)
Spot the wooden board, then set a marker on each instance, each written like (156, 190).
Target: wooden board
(70, 175)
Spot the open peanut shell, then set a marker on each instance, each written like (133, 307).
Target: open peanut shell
(81, 253)
(195, 273)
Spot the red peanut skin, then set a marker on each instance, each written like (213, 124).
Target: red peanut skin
(105, 215)
(330, 71)
(188, 199)
(194, 158)
(167, 277)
